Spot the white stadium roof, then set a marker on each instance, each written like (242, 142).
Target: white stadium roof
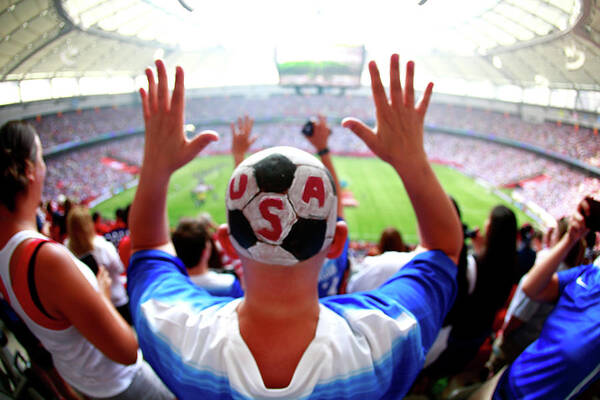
(518, 50)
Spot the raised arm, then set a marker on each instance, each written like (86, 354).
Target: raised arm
(241, 139)
(398, 140)
(165, 150)
(319, 139)
(541, 282)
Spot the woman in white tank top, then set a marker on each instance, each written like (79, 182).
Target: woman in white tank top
(57, 296)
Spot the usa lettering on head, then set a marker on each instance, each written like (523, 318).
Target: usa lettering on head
(282, 206)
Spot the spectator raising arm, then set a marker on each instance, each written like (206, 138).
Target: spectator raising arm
(241, 139)
(398, 140)
(541, 282)
(319, 139)
(166, 149)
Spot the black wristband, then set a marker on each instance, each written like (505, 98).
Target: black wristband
(323, 152)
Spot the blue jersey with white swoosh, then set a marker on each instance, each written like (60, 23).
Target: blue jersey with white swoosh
(566, 357)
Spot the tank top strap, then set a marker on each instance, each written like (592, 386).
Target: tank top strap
(23, 284)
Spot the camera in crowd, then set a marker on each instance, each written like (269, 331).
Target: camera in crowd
(469, 233)
(309, 128)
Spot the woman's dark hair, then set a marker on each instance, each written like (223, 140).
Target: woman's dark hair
(496, 275)
(497, 266)
(189, 240)
(17, 146)
(391, 240)
(499, 255)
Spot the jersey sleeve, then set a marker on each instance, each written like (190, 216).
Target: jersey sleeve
(568, 276)
(172, 317)
(425, 288)
(236, 289)
(521, 306)
(156, 275)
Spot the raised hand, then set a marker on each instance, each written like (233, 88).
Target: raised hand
(397, 137)
(241, 139)
(167, 148)
(577, 226)
(320, 135)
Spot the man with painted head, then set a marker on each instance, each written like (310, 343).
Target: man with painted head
(335, 271)
(280, 340)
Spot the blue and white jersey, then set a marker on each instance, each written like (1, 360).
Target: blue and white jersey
(566, 357)
(366, 345)
(332, 272)
(219, 284)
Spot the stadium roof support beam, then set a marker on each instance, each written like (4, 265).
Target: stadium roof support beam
(62, 32)
(109, 35)
(541, 18)
(585, 10)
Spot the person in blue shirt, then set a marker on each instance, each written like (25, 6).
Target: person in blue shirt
(565, 359)
(280, 340)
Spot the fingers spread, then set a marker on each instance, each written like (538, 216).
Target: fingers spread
(395, 85)
(409, 90)
(205, 137)
(198, 143)
(163, 87)
(424, 103)
(145, 105)
(251, 124)
(152, 101)
(361, 130)
(379, 97)
(178, 102)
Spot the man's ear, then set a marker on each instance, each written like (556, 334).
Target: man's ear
(223, 236)
(339, 240)
(30, 170)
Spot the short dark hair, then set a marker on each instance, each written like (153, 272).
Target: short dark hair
(17, 146)
(189, 239)
(391, 240)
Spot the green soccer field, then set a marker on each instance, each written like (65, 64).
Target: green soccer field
(381, 196)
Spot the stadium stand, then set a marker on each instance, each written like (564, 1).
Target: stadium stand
(281, 116)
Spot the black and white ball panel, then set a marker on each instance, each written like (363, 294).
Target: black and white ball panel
(241, 189)
(312, 193)
(282, 206)
(271, 217)
(274, 173)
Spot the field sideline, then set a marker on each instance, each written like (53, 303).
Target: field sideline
(381, 196)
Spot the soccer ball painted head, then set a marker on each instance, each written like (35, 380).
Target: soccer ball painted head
(281, 206)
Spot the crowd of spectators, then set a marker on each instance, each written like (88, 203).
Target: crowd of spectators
(554, 186)
(81, 175)
(85, 124)
(418, 299)
(581, 143)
